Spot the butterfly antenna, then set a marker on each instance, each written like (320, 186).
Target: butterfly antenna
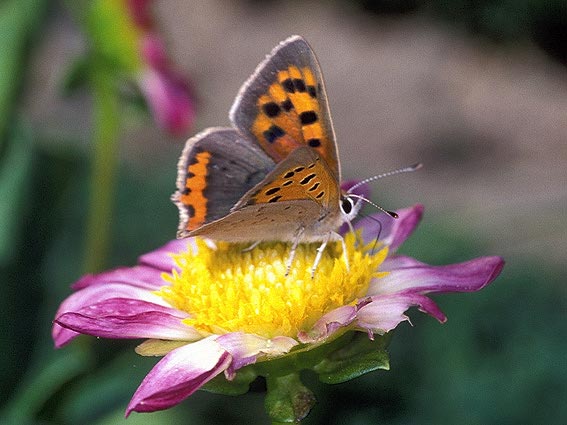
(409, 169)
(362, 198)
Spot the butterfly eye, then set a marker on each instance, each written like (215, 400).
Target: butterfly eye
(346, 205)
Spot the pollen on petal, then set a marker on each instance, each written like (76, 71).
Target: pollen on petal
(227, 289)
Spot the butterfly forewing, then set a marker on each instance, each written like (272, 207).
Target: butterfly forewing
(303, 175)
(216, 169)
(283, 105)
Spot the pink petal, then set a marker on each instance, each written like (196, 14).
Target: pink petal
(129, 318)
(144, 277)
(139, 10)
(178, 375)
(417, 277)
(328, 324)
(392, 232)
(161, 258)
(136, 283)
(169, 99)
(384, 313)
(245, 348)
(94, 294)
(153, 51)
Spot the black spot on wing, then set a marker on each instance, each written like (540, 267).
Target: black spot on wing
(273, 133)
(314, 187)
(299, 85)
(271, 109)
(308, 117)
(307, 179)
(287, 105)
(272, 191)
(288, 86)
(314, 143)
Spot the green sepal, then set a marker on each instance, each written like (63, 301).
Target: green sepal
(287, 400)
(361, 355)
(237, 386)
(349, 356)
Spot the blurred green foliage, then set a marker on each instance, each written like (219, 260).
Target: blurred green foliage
(500, 359)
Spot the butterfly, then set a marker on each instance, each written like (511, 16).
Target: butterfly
(275, 175)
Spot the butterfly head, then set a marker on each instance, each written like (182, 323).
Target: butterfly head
(349, 204)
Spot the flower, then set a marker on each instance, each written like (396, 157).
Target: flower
(167, 92)
(214, 310)
(124, 33)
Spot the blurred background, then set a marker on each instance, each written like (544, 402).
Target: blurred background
(97, 98)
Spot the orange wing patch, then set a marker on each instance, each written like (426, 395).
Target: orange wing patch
(310, 181)
(289, 116)
(195, 184)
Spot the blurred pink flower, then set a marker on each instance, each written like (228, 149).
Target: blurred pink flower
(167, 92)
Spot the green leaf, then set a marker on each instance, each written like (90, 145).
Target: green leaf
(15, 181)
(288, 400)
(19, 21)
(239, 385)
(360, 356)
(41, 383)
(93, 396)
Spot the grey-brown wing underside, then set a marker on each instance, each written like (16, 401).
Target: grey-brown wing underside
(279, 221)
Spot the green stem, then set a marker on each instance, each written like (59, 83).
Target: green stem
(104, 167)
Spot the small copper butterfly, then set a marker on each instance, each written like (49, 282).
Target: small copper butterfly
(276, 175)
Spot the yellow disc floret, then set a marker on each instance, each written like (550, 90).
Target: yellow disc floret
(226, 289)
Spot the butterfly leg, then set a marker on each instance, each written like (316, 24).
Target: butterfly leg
(331, 236)
(345, 254)
(251, 247)
(296, 240)
(320, 253)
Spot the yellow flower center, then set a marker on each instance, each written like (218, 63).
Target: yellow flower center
(230, 290)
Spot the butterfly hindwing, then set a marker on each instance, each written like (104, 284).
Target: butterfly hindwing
(283, 105)
(262, 222)
(216, 169)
